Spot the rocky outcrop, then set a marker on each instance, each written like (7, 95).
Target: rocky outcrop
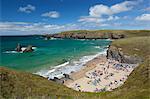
(18, 48)
(67, 76)
(91, 35)
(118, 55)
(117, 36)
(61, 80)
(57, 80)
(28, 49)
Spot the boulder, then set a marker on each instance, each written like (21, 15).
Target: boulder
(57, 80)
(18, 48)
(67, 76)
(29, 49)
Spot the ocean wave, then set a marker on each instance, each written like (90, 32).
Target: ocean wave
(97, 47)
(67, 67)
(12, 52)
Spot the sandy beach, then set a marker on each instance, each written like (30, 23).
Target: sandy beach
(100, 74)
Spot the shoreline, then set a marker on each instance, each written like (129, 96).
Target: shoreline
(95, 75)
(99, 74)
(68, 67)
(86, 67)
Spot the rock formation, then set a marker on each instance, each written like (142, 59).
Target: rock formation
(86, 35)
(61, 80)
(67, 76)
(57, 80)
(28, 49)
(118, 55)
(117, 36)
(18, 48)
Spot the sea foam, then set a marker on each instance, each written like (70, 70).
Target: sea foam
(68, 67)
(23, 48)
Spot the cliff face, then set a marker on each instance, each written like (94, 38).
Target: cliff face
(118, 55)
(87, 35)
(99, 34)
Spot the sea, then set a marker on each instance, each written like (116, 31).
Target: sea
(50, 58)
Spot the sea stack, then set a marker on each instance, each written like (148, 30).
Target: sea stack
(18, 48)
(28, 49)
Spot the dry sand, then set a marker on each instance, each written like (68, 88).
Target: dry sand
(99, 74)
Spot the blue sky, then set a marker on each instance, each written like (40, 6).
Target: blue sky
(23, 17)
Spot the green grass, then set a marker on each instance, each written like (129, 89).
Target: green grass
(139, 46)
(137, 86)
(127, 33)
(21, 84)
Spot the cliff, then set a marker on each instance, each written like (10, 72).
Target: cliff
(118, 55)
(99, 34)
(130, 50)
(88, 36)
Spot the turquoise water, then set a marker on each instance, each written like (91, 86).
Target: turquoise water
(48, 53)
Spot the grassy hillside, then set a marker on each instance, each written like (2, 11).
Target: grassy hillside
(137, 86)
(139, 46)
(23, 84)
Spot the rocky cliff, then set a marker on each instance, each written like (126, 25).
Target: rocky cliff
(99, 34)
(118, 55)
(86, 35)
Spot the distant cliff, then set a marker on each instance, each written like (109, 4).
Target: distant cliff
(99, 34)
(87, 35)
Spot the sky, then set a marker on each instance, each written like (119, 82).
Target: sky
(24, 17)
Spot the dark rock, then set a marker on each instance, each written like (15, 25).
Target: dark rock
(57, 80)
(117, 54)
(117, 36)
(18, 48)
(28, 49)
(67, 76)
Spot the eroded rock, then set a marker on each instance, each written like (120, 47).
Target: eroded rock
(118, 55)
(29, 49)
(18, 48)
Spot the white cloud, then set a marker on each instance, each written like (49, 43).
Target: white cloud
(25, 28)
(27, 9)
(90, 19)
(100, 10)
(51, 14)
(34, 28)
(113, 18)
(101, 13)
(122, 7)
(143, 17)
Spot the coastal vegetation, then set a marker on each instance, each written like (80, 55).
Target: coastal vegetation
(15, 84)
(127, 33)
